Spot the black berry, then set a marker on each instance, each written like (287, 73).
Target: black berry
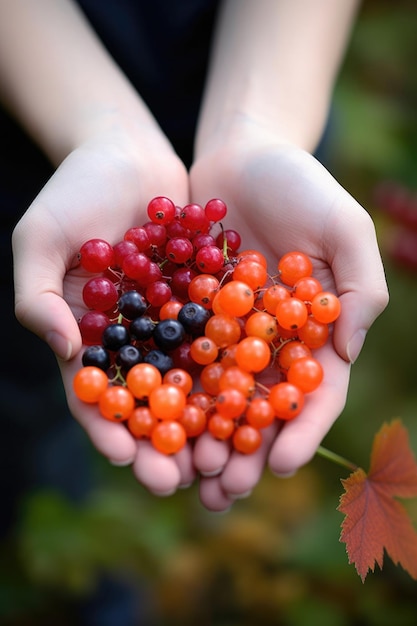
(163, 362)
(115, 336)
(169, 334)
(132, 304)
(193, 318)
(96, 356)
(142, 328)
(127, 357)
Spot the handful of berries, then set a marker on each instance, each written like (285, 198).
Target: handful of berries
(182, 327)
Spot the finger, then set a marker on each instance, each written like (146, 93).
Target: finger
(48, 316)
(299, 439)
(210, 454)
(243, 471)
(111, 439)
(156, 471)
(184, 461)
(39, 270)
(212, 495)
(359, 311)
(359, 276)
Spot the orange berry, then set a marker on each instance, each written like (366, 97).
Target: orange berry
(141, 422)
(202, 289)
(326, 307)
(293, 266)
(306, 373)
(89, 383)
(210, 377)
(286, 399)
(246, 439)
(223, 329)
(306, 288)
(179, 377)
(260, 413)
(169, 437)
(252, 255)
(314, 333)
(142, 378)
(253, 354)
(262, 324)
(230, 403)
(251, 273)
(220, 427)
(170, 310)
(236, 298)
(203, 350)
(116, 403)
(290, 351)
(237, 378)
(194, 420)
(291, 314)
(273, 295)
(167, 401)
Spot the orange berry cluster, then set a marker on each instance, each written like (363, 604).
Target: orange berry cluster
(257, 328)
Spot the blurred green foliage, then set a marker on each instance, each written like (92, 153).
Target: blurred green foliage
(275, 559)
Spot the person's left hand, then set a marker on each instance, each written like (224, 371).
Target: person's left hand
(100, 190)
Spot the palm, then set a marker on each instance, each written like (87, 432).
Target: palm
(282, 199)
(94, 193)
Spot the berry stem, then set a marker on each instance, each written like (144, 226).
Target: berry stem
(225, 254)
(118, 377)
(336, 458)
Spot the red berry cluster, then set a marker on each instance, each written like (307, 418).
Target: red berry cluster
(173, 303)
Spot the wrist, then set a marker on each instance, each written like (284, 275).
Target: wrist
(237, 134)
(130, 130)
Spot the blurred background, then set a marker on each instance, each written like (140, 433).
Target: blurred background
(117, 555)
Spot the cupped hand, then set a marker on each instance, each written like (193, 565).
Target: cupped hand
(100, 190)
(280, 198)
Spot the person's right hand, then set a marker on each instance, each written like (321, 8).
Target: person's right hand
(280, 198)
(100, 190)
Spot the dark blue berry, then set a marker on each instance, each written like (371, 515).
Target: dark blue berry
(127, 357)
(142, 328)
(169, 334)
(163, 362)
(132, 304)
(115, 336)
(96, 356)
(193, 318)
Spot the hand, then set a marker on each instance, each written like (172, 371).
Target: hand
(279, 199)
(100, 190)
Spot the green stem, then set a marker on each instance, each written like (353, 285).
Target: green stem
(336, 458)
(225, 255)
(118, 377)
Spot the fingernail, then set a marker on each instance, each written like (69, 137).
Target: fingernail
(185, 485)
(240, 496)
(164, 494)
(59, 344)
(355, 344)
(121, 463)
(221, 512)
(284, 474)
(211, 473)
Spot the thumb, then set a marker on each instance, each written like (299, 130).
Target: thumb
(359, 311)
(39, 302)
(361, 285)
(48, 316)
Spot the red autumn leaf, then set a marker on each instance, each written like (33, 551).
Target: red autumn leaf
(374, 519)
